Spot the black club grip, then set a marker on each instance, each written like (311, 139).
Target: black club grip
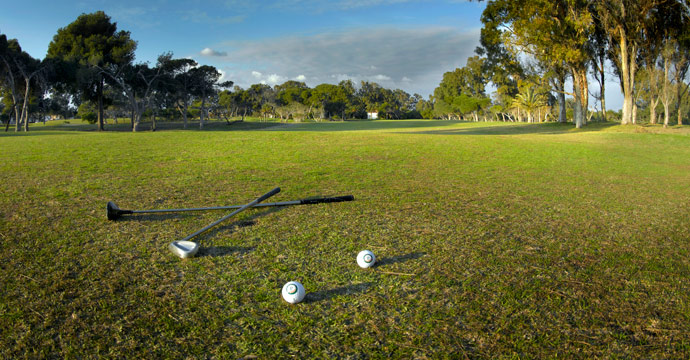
(328, 200)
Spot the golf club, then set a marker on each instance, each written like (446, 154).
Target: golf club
(114, 212)
(185, 248)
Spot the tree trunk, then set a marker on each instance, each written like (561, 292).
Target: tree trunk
(184, 114)
(15, 97)
(628, 63)
(679, 99)
(153, 124)
(681, 68)
(9, 119)
(560, 97)
(602, 87)
(201, 114)
(25, 106)
(653, 102)
(666, 98)
(581, 96)
(100, 103)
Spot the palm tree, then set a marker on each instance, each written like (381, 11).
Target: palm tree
(529, 100)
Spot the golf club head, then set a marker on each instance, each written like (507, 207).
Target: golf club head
(114, 212)
(183, 248)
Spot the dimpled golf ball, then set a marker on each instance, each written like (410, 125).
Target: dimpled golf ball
(293, 292)
(366, 259)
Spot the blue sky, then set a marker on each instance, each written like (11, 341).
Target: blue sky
(405, 44)
(402, 44)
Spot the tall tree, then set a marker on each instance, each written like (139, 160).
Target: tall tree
(625, 23)
(8, 51)
(92, 42)
(204, 79)
(180, 83)
(556, 33)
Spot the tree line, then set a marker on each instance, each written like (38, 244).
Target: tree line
(90, 66)
(530, 49)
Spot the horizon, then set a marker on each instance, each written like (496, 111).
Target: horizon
(399, 44)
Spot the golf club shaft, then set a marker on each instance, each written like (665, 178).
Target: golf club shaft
(283, 203)
(258, 200)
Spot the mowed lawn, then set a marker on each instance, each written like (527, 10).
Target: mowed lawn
(493, 241)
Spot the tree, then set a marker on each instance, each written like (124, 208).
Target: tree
(625, 23)
(331, 99)
(462, 91)
(556, 33)
(289, 98)
(530, 100)
(91, 43)
(138, 83)
(502, 67)
(179, 82)
(9, 50)
(204, 82)
(257, 96)
(20, 65)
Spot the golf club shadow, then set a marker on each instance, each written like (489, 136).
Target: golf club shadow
(214, 251)
(151, 217)
(251, 221)
(331, 293)
(398, 259)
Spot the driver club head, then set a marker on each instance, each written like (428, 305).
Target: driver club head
(113, 211)
(183, 248)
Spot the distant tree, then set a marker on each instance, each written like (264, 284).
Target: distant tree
(331, 99)
(530, 100)
(138, 83)
(290, 97)
(204, 81)
(462, 91)
(91, 43)
(179, 83)
(425, 108)
(257, 96)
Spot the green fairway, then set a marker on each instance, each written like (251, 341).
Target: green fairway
(492, 241)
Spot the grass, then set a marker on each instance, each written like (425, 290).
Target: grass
(494, 241)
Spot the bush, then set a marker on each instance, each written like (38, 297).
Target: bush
(87, 112)
(89, 117)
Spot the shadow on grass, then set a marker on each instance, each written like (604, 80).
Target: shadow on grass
(522, 129)
(339, 291)
(151, 217)
(213, 251)
(362, 125)
(73, 129)
(399, 259)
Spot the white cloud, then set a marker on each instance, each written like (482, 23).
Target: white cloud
(418, 56)
(301, 78)
(275, 79)
(211, 52)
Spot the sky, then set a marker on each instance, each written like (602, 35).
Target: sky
(399, 44)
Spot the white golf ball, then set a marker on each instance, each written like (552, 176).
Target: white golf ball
(293, 292)
(366, 259)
